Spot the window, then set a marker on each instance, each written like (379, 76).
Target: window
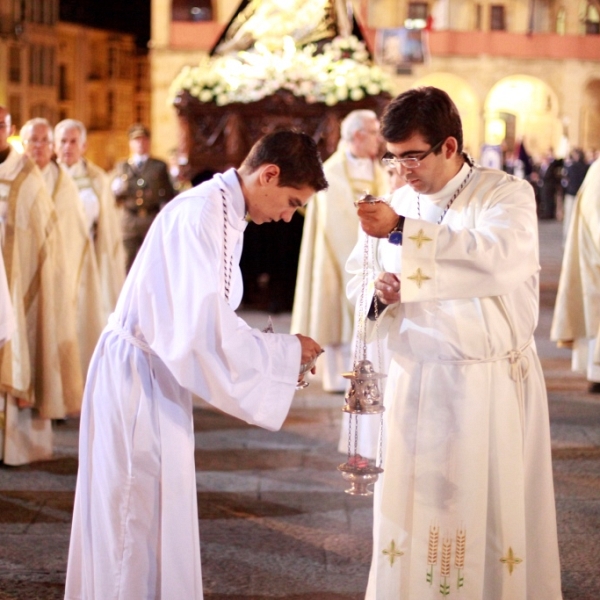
(417, 15)
(63, 84)
(14, 64)
(15, 109)
(478, 19)
(110, 109)
(41, 65)
(35, 65)
(192, 10)
(592, 20)
(497, 19)
(18, 11)
(42, 110)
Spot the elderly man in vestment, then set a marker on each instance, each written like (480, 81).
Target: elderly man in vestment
(465, 505)
(174, 332)
(82, 281)
(7, 316)
(39, 375)
(321, 308)
(576, 322)
(103, 217)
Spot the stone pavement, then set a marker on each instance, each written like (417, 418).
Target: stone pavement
(274, 521)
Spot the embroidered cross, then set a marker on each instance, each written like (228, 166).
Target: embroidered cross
(392, 552)
(418, 277)
(511, 560)
(420, 238)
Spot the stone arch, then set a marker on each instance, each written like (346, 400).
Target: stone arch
(521, 107)
(466, 101)
(590, 116)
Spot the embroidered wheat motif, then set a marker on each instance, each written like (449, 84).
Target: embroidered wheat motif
(432, 550)
(459, 556)
(445, 566)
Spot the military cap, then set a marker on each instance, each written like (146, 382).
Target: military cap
(138, 130)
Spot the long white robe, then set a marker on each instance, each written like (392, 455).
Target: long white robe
(576, 320)
(135, 521)
(465, 506)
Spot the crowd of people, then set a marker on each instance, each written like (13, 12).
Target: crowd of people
(66, 240)
(465, 504)
(555, 179)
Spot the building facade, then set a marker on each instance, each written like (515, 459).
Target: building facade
(59, 70)
(519, 70)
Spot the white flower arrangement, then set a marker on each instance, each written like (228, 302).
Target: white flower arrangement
(342, 71)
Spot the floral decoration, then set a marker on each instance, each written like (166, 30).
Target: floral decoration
(341, 71)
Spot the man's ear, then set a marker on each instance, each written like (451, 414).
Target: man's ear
(450, 146)
(269, 174)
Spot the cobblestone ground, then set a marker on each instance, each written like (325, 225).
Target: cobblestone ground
(274, 521)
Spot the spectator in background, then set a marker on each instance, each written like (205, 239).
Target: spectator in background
(574, 172)
(141, 185)
(549, 182)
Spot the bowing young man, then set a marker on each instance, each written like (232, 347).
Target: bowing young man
(174, 332)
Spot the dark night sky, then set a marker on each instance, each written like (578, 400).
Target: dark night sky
(129, 16)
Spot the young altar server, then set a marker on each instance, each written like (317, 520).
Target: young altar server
(465, 505)
(174, 332)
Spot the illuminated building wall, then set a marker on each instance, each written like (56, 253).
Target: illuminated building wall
(57, 70)
(516, 69)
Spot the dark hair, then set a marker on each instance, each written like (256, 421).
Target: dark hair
(428, 111)
(295, 154)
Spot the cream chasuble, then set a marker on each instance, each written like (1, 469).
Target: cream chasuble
(7, 316)
(330, 230)
(81, 279)
(94, 185)
(321, 309)
(465, 506)
(173, 333)
(34, 363)
(576, 321)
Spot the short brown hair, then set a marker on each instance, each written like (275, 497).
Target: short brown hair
(295, 153)
(428, 111)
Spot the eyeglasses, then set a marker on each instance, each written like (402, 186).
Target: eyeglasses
(410, 162)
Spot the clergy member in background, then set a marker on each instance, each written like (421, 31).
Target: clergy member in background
(7, 316)
(103, 217)
(321, 309)
(576, 322)
(40, 378)
(81, 282)
(465, 504)
(174, 332)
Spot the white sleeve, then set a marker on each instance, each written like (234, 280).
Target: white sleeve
(188, 323)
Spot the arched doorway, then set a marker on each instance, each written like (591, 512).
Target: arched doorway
(523, 107)
(466, 101)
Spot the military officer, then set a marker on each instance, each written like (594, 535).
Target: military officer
(142, 186)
